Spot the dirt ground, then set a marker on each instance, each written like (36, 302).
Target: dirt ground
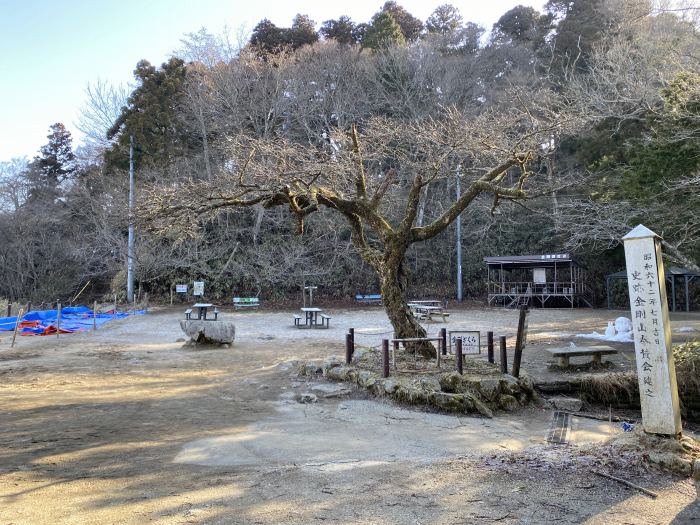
(125, 425)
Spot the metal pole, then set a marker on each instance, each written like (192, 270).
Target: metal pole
(348, 348)
(504, 355)
(458, 354)
(459, 245)
(489, 346)
(130, 247)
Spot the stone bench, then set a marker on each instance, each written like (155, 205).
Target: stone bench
(597, 352)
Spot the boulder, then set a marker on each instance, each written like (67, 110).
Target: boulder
(508, 402)
(307, 397)
(209, 332)
(696, 477)
(330, 363)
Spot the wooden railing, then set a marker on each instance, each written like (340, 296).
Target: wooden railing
(531, 288)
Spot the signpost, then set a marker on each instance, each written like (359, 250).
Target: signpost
(652, 332)
(471, 341)
(182, 288)
(198, 288)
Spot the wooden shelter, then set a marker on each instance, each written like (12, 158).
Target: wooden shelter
(545, 281)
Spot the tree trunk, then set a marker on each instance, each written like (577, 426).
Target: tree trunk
(405, 324)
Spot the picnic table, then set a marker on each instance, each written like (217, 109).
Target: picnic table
(311, 318)
(423, 311)
(427, 302)
(202, 311)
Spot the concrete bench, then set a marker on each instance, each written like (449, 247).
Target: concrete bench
(597, 352)
(188, 313)
(326, 319)
(245, 302)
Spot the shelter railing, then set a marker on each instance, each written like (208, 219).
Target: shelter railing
(532, 288)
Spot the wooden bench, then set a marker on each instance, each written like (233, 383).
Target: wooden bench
(326, 319)
(245, 302)
(368, 299)
(188, 314)
(597, 351)
(297, 320)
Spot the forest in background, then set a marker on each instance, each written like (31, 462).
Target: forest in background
(631, 68)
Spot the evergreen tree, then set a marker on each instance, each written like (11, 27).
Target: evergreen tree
(522, 25)
(341, 30)
(55, 164)
(383, 32)
(151, 116)
(444, 20)
(411, 26)
(267, 37)
(302, 32)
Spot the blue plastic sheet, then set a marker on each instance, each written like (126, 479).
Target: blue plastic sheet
(73, 319)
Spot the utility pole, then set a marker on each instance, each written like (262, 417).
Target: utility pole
(130, 247)
(459, 244)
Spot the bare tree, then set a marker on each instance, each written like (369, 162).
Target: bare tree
(375, 179)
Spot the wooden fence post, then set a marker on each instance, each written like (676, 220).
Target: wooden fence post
(385, 358)
(489, 346)
(504, 356)
(458, 354)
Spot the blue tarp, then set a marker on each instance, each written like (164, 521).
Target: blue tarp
(73, 319)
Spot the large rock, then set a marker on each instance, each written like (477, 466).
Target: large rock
(209, 332)
(696, 477)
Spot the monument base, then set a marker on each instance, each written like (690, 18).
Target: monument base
(209, 332)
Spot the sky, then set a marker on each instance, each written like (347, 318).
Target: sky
(50, 50)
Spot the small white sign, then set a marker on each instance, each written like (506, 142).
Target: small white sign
(181, 288)
(198, 288)
(471, 342)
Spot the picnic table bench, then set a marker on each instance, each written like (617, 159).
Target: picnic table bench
(311, 318)
(597, 351)
(245, 302)
(426, 312)
(202, 312)
(368, 299)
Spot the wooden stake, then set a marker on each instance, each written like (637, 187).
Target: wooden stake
(19, 318)
(628, 483)
(489, 346)
(58, 321)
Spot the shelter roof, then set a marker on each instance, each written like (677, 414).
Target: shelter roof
(530, 260)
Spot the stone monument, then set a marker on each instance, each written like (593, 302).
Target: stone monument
(652, 332)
